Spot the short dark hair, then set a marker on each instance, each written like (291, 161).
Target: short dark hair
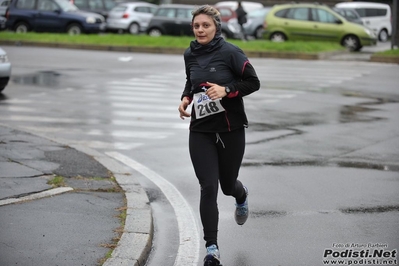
(210, 11)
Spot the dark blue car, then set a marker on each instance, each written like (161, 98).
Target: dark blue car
(51, 16)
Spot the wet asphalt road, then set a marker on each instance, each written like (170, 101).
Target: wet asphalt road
(322, 156)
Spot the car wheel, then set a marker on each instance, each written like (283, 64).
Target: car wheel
(22, 27)
(134, 28)
(74, 29)
(155, 32)
(351, 42)
(224, 35)
(259, 33)
(278, 37)
(383, 36)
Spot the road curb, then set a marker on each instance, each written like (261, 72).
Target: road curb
(384, 59)
(135, 244)
(293, 55)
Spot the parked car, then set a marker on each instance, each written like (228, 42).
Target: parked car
(5, 69)
(226, 13)
(255, 22)
(314, 22)
(131, 17)
(2, 23)
(101, 7)
(52, 16)
(229, 30)
(350, 14)
(230, 26)
(376, 16)
(3, 7)
(254, 25)
(171, 19)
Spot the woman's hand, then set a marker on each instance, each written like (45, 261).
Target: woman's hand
(182, 108)
(215, 91)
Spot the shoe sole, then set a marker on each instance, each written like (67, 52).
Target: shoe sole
(210, 260)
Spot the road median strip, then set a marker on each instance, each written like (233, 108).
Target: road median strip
(170, 50)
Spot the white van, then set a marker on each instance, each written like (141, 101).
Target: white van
(376, 16)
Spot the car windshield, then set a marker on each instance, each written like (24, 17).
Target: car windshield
(66, 5)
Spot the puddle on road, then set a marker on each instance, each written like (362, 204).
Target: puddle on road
(354, 113)
(358, 113)
(376, 209)
(374, 98)
(291, 163)
(347, 114)
(358, 165)
(262, 214)
(41, 78)
(267, 214)
(362, 165)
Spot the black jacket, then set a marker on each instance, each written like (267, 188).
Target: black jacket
(225, 65)
(241, 15)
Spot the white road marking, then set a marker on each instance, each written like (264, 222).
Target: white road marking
(34, 196)
(136, 106)
(188, 251)
(170, 114)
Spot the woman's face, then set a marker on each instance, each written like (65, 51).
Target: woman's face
(204, 28)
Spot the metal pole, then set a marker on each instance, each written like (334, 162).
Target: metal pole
(395, 35)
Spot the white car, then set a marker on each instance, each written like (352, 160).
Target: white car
(131, 17)
(5, 69)
(376, 16)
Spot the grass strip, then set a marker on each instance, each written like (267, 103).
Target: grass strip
(111, 39)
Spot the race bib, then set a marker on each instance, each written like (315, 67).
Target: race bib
(205, 106)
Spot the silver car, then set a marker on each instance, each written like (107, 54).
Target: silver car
(3, 6)
(254, 25)
(3, 21)
(130, 17)
(350, 14)
(256, 19)
(5, 69)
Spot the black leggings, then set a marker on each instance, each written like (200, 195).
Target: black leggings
(216, 157)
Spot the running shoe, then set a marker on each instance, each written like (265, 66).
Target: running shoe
(241, 213)
(212, 257)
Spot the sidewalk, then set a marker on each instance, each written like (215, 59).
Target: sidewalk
(76, 223)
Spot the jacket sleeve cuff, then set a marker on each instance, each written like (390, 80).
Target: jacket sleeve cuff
(234, 92)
